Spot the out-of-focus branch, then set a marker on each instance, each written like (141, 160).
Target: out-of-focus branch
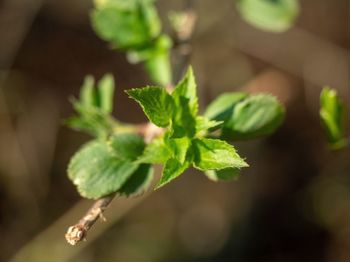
(183, 35)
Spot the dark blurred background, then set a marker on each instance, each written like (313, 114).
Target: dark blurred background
(292, 204)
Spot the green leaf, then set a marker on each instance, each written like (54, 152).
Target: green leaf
(255, 116)
(126, 24)
(203, 124)
(94, 108)
(157, 152)
(127, 146)
(98, 4)
(158, 63)
(269, 15)
(85, 125)
(226, 174)
(246, 116)
(332, 117)
(90, 120)
(88, 97)
(179, 148)
(172, 169)
(97, 171)
(150, 18)
(157, 104)
(186, 101)
(101, 98)
(105, 93)
(139, 182)
(157, 59)
(162, 149)
(186, 90)
(221, 108)
(215, 154)
(184, 122)
(174, 153)
(159, 69)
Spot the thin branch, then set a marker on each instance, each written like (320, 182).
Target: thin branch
(149, 131)
(78, 232)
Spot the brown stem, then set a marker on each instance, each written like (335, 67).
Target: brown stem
(78, 232)
(149, 131)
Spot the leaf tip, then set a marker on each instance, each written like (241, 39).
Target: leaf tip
(159, 185)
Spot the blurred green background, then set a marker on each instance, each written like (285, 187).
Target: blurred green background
(292, 204)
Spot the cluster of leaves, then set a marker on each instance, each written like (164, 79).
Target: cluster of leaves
(119, 161)
(134, 26)
(107, 164)
(269, 15)
(332, 118)
(94, 107)
(184, 143)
